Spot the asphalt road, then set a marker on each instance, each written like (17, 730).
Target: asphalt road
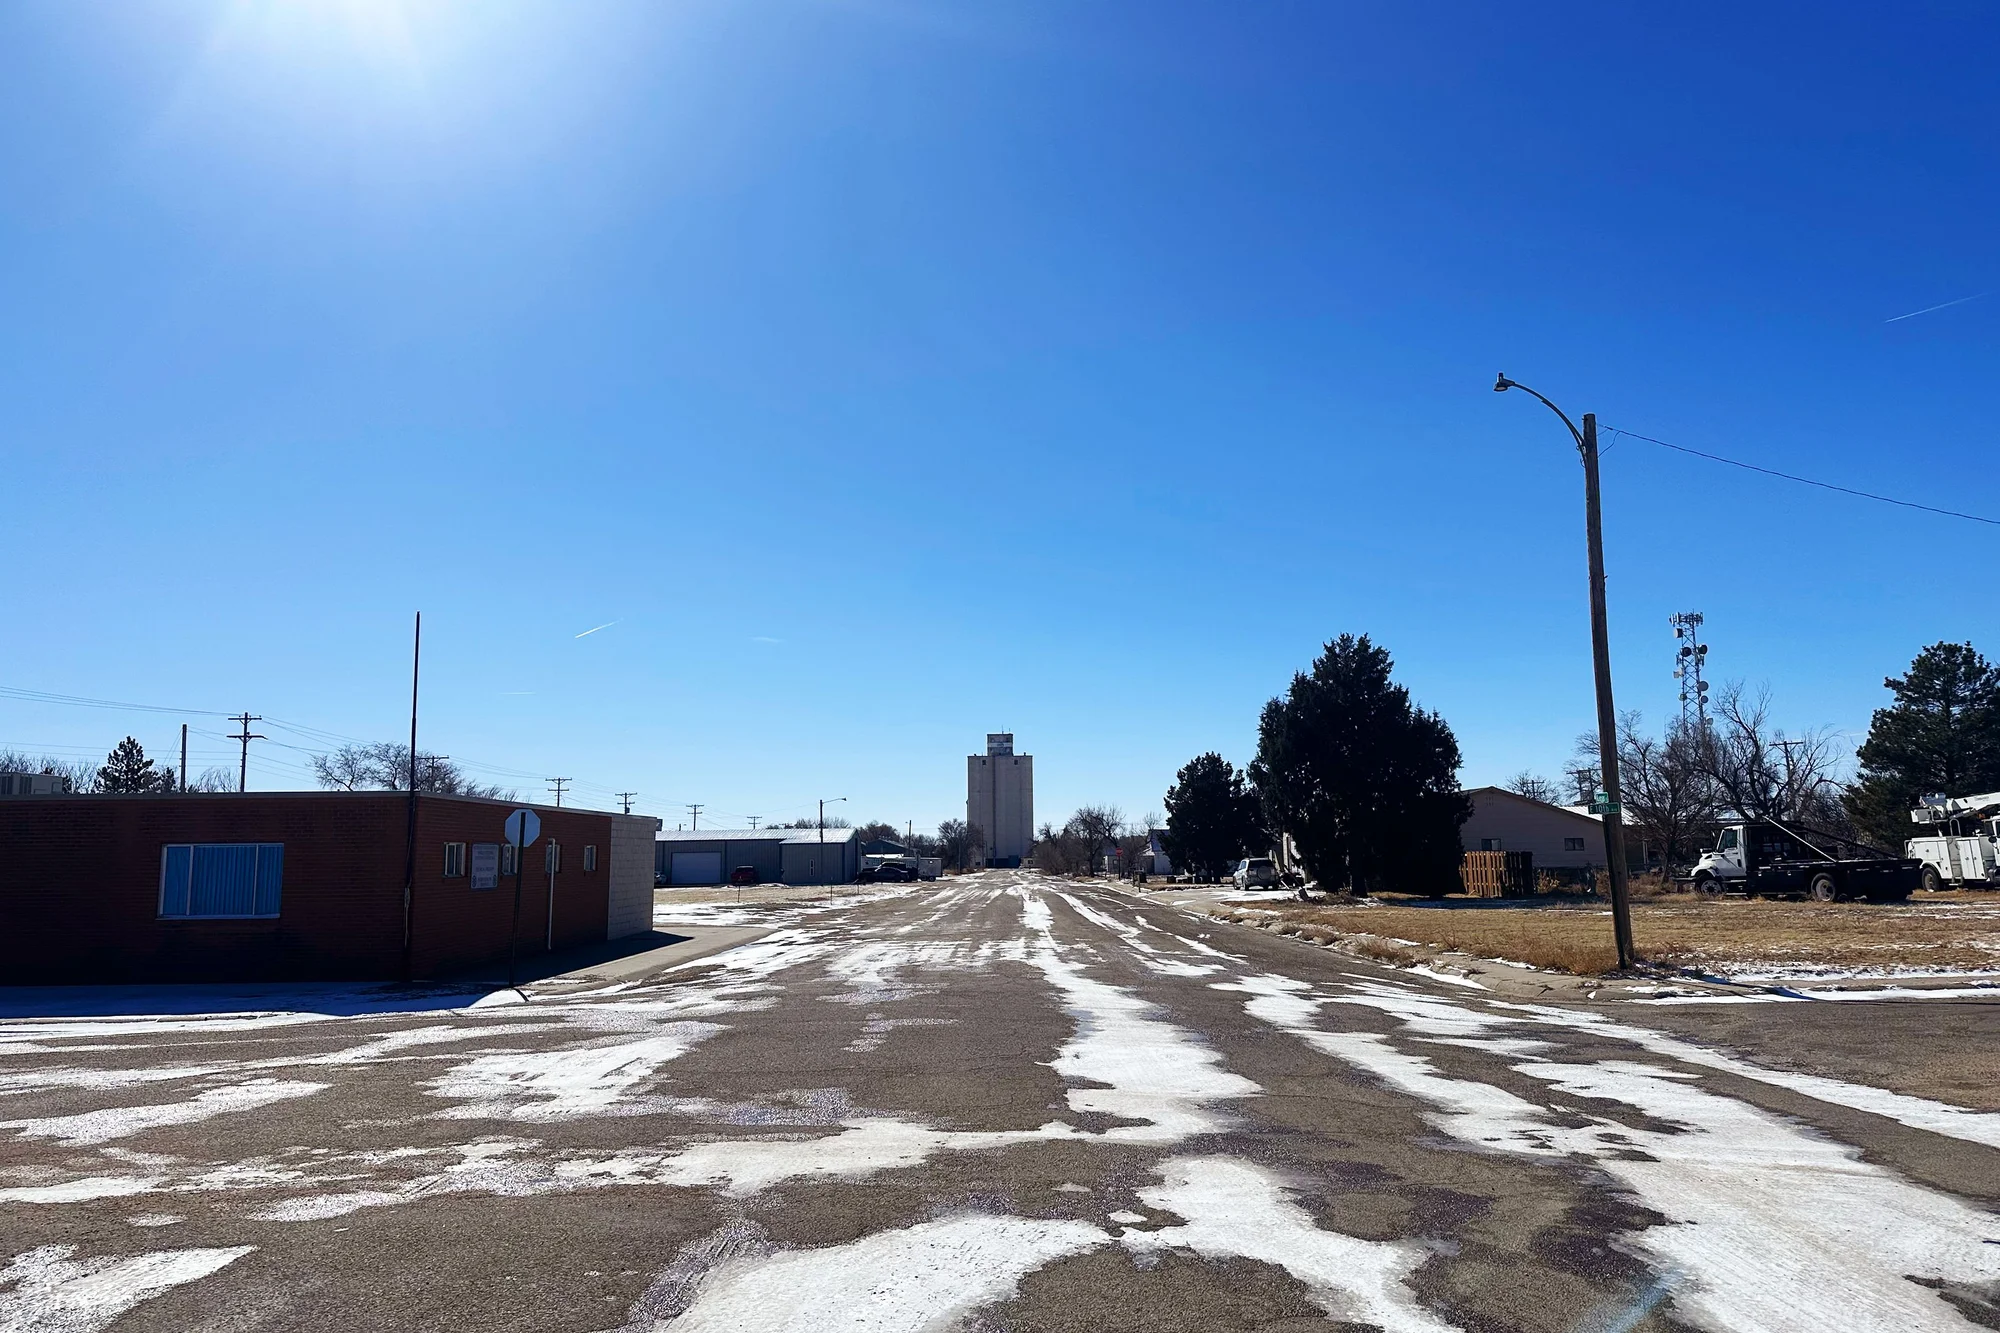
(995, 1103)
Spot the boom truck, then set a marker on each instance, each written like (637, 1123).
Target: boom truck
(1961, 844)
(1772, 858)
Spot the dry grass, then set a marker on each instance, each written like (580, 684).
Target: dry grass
(1943, 932)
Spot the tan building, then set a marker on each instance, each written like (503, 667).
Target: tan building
(1558, 836)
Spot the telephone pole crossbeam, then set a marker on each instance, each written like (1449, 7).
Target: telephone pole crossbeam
(246, 736)
(556, 785)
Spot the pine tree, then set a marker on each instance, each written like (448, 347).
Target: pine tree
(1942, 734)
(127, 769)
(1365, 782)
(1212, 817)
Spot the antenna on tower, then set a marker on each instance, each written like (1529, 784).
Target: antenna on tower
(1691, 667)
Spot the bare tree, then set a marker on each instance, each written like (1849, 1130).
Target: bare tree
(1096, 826)
(956, 839)
(1060, 851)
(386, 767)
(213, 779)
(79, 774)
(1671, 803)
(1761, 772)
(1534, 787)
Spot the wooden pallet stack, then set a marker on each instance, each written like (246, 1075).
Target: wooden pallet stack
(1498, 874)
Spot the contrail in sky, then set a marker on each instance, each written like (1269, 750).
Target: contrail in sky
(593, 629)
(1927, 309)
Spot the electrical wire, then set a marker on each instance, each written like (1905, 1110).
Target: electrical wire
(1805, 481)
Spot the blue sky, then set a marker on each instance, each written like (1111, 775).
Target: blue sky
(891, 373)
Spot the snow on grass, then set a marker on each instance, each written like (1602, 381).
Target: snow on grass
(924, 1277)
(561, 1084)
(123, 1121)
(1233, 1208)
(48, 1289)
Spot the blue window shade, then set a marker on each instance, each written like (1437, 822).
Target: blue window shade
(174, 881)
(270, 876)
(222, 879)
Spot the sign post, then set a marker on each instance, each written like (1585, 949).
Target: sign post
(522, 827)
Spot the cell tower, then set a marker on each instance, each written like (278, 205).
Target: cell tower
(1690, 668)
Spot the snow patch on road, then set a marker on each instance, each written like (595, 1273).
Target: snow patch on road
(47, 1290)
(1770, 1228)
(925, 1277)
(561, 1084)
(81, 1190)
(1982, 1127)
(122, 1121)
(1233, 1208)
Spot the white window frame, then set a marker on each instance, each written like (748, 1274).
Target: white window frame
(186, 888)
(590, 856)
(454, 860)
(508, 859)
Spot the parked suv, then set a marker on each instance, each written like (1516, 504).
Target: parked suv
(1256, 872)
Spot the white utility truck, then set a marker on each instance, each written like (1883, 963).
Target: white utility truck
(1961, 846)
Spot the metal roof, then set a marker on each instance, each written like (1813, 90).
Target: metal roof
(833, 835)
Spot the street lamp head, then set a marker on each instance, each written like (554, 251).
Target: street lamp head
(1501, 383)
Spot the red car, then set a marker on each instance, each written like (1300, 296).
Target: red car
(743, 875)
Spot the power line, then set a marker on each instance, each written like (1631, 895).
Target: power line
(79, 701)
(1805, 481)
(556, 785)
(694, 812)
(625, 799)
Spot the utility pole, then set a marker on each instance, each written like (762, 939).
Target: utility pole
(1607, 712)
(1791, 799)
(694, 813)
(1586, 784)
(1600, 655)
(556, 785)
(756, 820)
(243, 770)
(184, 756)
(410, 850)
(625, 799)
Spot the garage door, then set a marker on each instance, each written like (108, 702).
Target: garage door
(697, 867)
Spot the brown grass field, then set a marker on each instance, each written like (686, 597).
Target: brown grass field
(1947, 932)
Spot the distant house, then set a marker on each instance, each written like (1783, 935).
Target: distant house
(1154, 859)
(884, 847)
(1560, 837)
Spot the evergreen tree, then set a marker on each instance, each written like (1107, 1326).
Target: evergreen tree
(127, 769)
(1212, 817)
(1942, 734)
(1365, 782)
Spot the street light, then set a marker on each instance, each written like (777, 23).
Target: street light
(1600, 649)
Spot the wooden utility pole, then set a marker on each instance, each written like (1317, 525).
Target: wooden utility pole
(246, 736)
(410, 816)
(1607, 713)
(184, 756)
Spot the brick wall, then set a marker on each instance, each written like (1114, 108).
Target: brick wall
(80, 884)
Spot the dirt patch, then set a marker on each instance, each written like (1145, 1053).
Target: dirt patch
(1726, 937)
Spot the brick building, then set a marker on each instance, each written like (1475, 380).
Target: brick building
(295, 886)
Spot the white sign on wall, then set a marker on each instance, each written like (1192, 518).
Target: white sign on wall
(485, 865)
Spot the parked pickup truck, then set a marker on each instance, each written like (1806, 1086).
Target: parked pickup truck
(1766, 858)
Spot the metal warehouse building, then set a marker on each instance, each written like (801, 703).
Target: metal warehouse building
(779, 855)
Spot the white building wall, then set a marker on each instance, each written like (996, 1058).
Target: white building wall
(1000, 799)
(630, 911)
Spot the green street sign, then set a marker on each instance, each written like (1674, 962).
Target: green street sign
(1601, 806)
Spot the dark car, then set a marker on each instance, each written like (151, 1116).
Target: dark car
(889, 872)
(743, 875)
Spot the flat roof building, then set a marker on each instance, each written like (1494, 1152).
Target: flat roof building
(302, 886)
(1000, 800)
(778, 855)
